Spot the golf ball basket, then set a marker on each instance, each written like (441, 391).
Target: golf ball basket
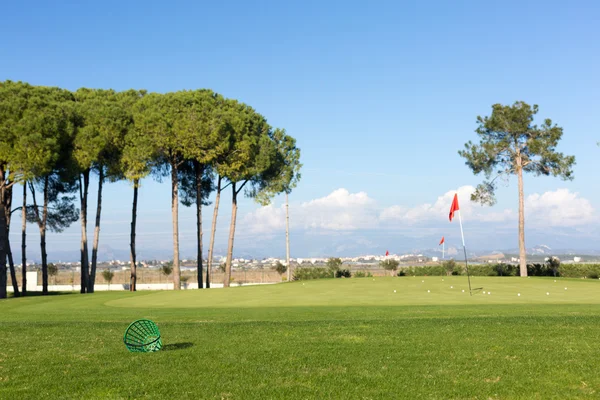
(142, 336)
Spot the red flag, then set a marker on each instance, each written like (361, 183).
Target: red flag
(454, 206)
(387, 253)
(441, 241)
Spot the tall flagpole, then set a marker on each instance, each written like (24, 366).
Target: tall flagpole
(465, 250)
(287, 238)
(444, 250)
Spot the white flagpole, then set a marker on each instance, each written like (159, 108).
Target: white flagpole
(287, 238)
(443, 250)
(465, 250)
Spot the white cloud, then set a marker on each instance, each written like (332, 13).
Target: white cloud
(341, 198)
(338, 211)
(559, 208)
(265, 219)
(344, 211)
(439, 210)
(426, 212)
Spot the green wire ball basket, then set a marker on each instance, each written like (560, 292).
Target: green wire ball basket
(142, 336)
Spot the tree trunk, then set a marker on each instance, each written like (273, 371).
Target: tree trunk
(199, 170)
(83, 194)
(287, 238)
(212, 233)
(522, 252)
(3, 250)
(3, 237)
(11, 265)
(227, 278)
(175, 213)
(42, 227)
(24, 240)
(9, 255)
(133, 279)
(92, 277)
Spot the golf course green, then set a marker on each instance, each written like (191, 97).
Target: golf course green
(358, 338)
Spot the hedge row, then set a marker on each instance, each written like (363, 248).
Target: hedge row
(580, 270)
(565, 270)
(590, 271)
(304, 274)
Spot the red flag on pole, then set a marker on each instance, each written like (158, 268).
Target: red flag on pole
(454, 206)
(441, 241)
(387, 253)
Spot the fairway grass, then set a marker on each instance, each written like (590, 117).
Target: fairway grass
(343, 339)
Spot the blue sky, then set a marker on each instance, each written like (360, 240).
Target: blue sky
(380, 96)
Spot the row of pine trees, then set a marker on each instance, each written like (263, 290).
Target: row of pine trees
(53, 140)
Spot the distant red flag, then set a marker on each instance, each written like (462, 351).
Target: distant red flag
(387, 253)
(454, 206)
(441, 241)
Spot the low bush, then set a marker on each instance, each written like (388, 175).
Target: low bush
(362, 274)
(304, 274)
(450, 266)
(482, 270)
(343, 273)
(280, 268)
(539, 270)
(389, 265)
(334, 264)
(553, 264)
(579, 270)
(506, 269)
(427, 270)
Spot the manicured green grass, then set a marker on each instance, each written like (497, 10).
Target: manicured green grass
(343, 339)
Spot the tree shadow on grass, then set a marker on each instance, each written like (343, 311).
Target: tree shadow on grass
(177, 346)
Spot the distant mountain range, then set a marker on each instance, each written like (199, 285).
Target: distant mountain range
(107, 253)
(539, 250)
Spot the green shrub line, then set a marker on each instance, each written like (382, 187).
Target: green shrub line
(589, 271)
(305, 274)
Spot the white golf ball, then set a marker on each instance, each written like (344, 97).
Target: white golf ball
(428, 291)
(451, 287)
(519, 294)
(484, 292)
(565, 288)
(394, 291)
(422, 281)
(547, 294)
(463, 290)
(489, 292)
(555, 280)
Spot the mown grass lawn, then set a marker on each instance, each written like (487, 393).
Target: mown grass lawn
(342, 339)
